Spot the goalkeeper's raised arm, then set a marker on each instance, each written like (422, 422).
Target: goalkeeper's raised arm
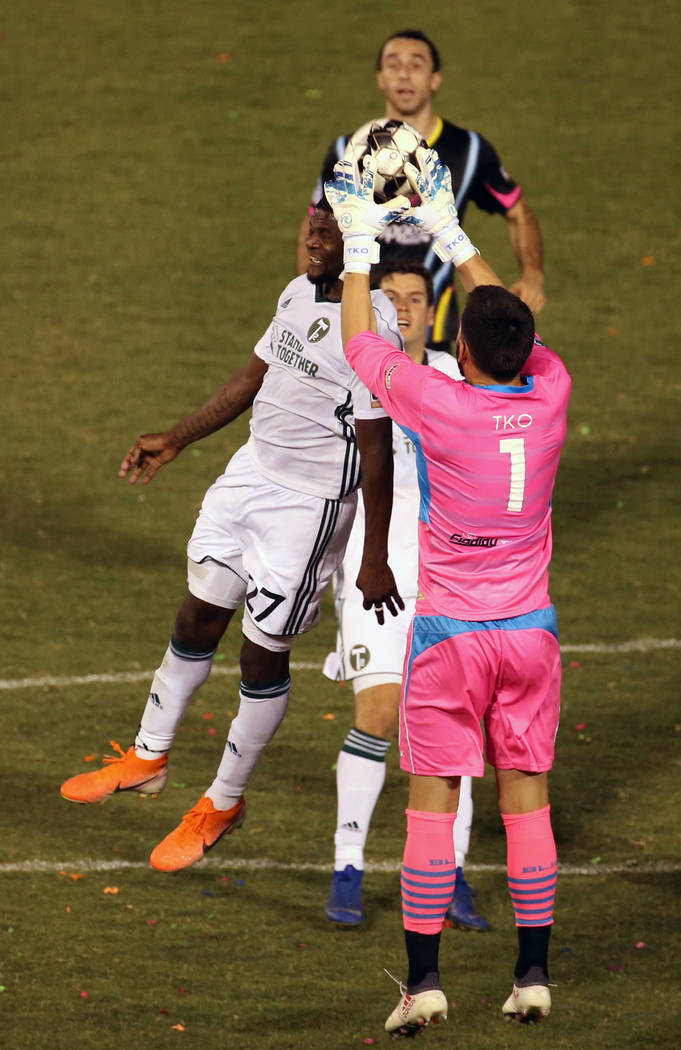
(361, 220)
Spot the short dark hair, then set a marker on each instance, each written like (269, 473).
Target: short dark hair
(499, 330)
(407, 266)
(323, 205)
(412, 34)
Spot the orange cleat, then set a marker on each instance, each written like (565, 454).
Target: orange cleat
(200, 829)
(127, 773)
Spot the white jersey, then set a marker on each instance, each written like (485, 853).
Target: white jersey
(403, 536)
(303, 420)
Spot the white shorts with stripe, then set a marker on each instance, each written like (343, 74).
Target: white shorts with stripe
(277, 548)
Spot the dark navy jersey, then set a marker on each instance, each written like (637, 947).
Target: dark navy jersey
(477, 175)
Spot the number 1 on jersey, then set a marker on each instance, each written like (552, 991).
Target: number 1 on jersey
(515, 447)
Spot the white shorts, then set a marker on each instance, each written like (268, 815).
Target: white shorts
(364, 646)
(271, 547)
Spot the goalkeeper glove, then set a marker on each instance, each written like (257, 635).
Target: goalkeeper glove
(437, 214)
(359, 217)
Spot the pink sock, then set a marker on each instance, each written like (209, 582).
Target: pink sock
(428, 870)
(532, 866)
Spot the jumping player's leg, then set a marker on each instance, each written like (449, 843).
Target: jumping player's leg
(360, 776)
(288, 569)
(187, 662)
(217, 585)
(532, 875)
(263, 701)
(186, 665)
(371, 657)
(360, 770)
(427, 883)
(528, 697)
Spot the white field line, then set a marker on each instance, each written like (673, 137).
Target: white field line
(639, 645)
(82, 865)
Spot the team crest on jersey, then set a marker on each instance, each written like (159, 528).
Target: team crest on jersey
(318, 329)
(359, 657)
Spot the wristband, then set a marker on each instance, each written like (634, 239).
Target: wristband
(453, 245)
(359, 252)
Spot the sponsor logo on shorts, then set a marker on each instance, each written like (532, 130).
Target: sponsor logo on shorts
(318, 329)
(466, 540)
(359, 657)
(286, 302)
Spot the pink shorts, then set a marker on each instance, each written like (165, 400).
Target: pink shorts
(458, 673)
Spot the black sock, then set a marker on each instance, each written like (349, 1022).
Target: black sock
(533, 950)
(422, 951)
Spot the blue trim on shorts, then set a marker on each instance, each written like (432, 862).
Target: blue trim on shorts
(422, 474)
(429, 630)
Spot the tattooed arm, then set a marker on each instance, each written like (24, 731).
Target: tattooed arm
(152, 451)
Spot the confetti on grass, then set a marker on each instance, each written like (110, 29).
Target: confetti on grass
(329, 717)
(640, 944)
(111, 889)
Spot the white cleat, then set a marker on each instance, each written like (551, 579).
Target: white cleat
(527, 1004)
(415, 1011)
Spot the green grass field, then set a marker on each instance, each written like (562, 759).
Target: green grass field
(157, 163)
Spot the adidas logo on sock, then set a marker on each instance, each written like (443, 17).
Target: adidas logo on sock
(156, 700)
(234, 750)
(351, 825)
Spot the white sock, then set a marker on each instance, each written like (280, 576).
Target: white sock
(359, 782)
(462, 824)
(181, 673)
(261, 712)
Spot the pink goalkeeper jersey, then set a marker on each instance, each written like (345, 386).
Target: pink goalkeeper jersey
(487, 458)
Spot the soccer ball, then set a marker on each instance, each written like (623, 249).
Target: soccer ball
(391, 143)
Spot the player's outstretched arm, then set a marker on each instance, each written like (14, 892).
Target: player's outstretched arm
(437, 216)
(361, 220)
(375, 579)
(526, 242)
(152, 451)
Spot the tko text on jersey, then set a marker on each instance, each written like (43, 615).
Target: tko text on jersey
(289, 350)
(513, 422)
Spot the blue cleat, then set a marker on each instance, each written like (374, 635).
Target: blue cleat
(345, 897)
(461, 911)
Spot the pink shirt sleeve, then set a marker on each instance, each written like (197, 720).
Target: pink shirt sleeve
(390, 374)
